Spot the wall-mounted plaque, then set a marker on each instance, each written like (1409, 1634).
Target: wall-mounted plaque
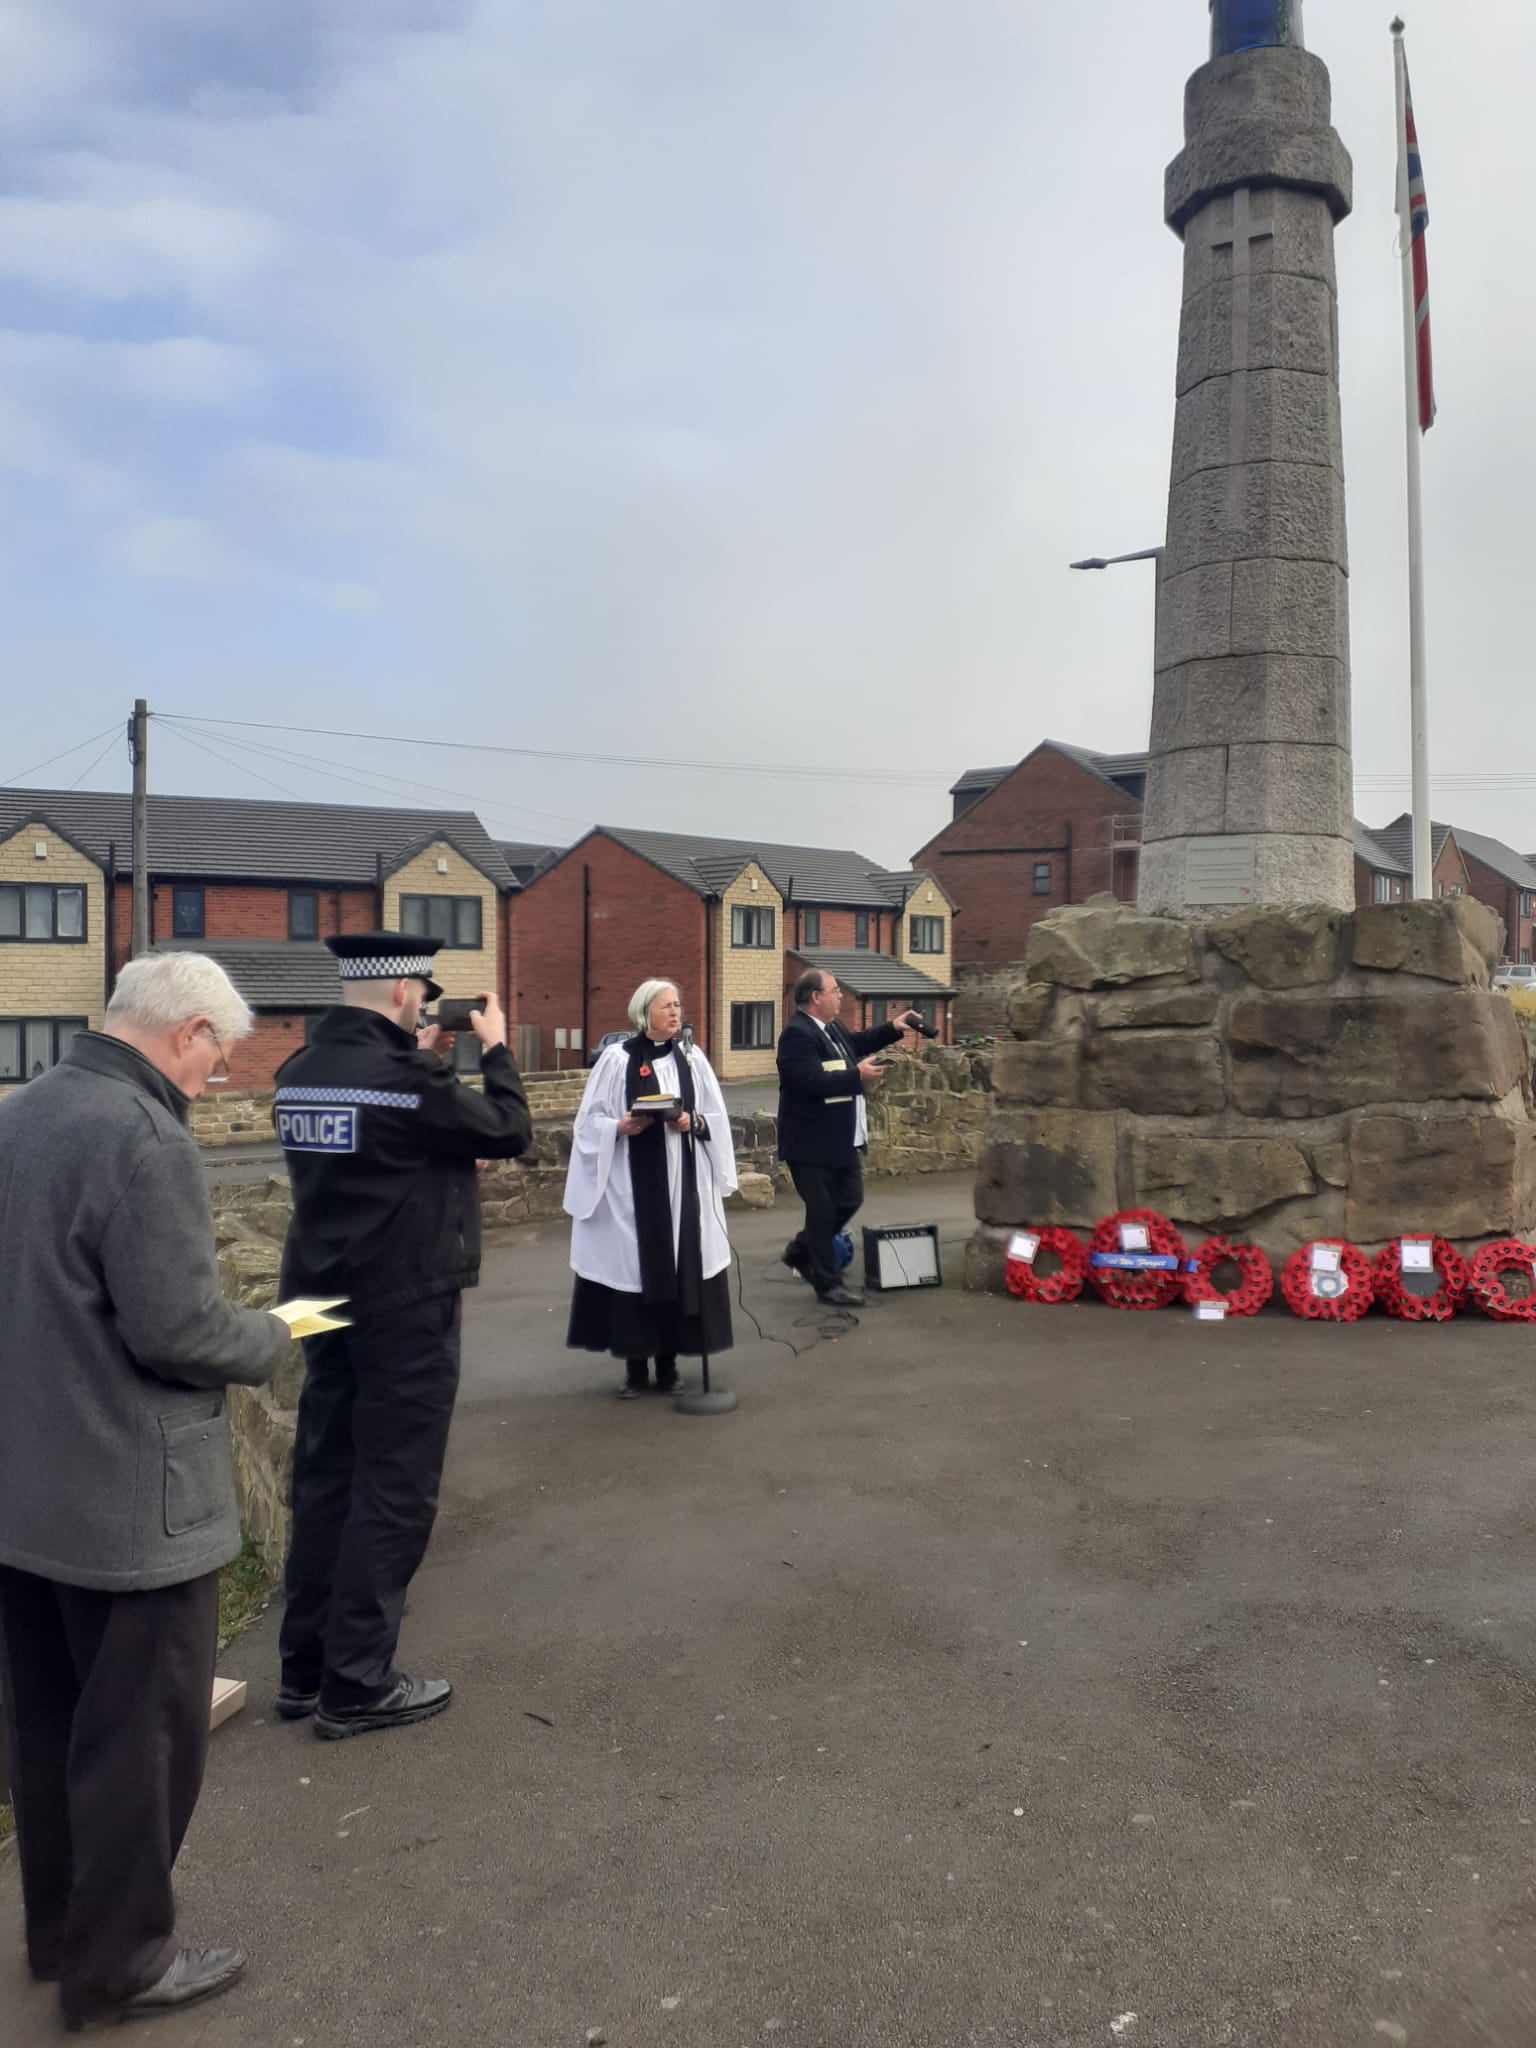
(1220, 871)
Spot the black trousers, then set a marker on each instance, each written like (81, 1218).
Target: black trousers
(367, 1463)
(832, 1195)
(106, 1707)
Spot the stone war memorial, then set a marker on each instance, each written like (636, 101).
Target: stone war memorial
(1243, 1051)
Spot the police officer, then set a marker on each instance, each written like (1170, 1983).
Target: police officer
(381, 1142)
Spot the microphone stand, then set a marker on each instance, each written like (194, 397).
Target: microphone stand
(702, 1399)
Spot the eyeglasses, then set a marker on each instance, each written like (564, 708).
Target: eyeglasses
(216, 1076)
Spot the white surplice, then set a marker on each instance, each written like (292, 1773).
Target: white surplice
(599, 1194)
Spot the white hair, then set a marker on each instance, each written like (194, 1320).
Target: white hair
(640, 1002)
(161, 990)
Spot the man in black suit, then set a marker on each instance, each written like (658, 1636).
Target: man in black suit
(823, 1129)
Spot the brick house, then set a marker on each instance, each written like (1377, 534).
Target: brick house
(255, 885)
(1470, 863)
(1059, 826)
(732, 921)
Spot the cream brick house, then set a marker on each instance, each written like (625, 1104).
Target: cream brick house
(54, 935)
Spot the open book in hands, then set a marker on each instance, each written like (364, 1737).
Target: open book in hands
(311, 1318)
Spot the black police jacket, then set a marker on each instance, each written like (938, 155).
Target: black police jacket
(381, 1142)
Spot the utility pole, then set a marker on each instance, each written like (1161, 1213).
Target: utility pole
(138, 753)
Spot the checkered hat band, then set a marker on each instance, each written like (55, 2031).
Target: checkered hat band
(388, 967)
(361, 1098)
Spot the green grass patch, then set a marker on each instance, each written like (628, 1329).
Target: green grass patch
(244, 1590)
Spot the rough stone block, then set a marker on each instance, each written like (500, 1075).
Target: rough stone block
(1038, 1074)
(1257, 509)
(1299, 1055)
(1281, 607)
(1461, 1176)
(1186, 794)
(1081, 947)
(1252, 697)
(1046, 1166)
(1039, 1010)
(1453, 938)
(1290, 417)
(753, 1191)
(1263, 116)
(1283, 788)
(1155, 1073)
(1194, 615)
(1150, 1009)
(1282, 947)
(1218, 1180)
(1291, 326)
(1330, 1162)
(986, 1257)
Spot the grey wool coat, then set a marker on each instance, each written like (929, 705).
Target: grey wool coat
(115, 1343)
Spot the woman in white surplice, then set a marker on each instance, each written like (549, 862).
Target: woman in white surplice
(646, 1193)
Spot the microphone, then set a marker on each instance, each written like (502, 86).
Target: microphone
(914, 1021)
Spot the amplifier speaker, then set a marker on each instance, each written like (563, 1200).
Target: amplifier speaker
(907, 1256)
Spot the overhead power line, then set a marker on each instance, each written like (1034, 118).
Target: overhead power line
(377, 781)
(79, 747)
(891, 777)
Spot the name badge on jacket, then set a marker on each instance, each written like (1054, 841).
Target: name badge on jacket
(317, 1130)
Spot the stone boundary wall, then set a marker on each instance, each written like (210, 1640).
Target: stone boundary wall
(246, 1118)
(982, 996)
(1278, 1074)
(928, 1117)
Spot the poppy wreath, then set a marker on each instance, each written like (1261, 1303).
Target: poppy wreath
(1253, 1289)
(1065, 1285)
(1131, 1286)
(1452, 1273)
(1490, 1270)
(1346, 1307)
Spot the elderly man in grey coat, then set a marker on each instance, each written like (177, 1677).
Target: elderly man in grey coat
(117, 1503)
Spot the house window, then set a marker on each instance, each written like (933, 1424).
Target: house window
(751, 1025)
(812, 928)
(927, 934)
(752, 925)
(29, 1046)
(1525, 956)
(303, 914)
(861, 927)
(454, 920)
(1381, 888)
(42, 912)
(1042, 878)
(1525, 902)
(186, 913)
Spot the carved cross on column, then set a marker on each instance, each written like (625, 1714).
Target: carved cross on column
(1252, 221)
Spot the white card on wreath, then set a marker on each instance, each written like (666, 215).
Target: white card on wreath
(1134, 1237)
(1211, 1311)
(1417, 1255)
(1023, 1245)
(1326, 1258)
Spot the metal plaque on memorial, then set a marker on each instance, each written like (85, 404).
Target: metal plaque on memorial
(1220, 871)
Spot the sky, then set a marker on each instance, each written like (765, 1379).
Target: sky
(717, 381)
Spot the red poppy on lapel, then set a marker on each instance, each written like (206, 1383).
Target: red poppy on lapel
(645, 1073)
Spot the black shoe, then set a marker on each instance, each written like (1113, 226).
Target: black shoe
(796, 1262)
(667, 1381)
(841, 1297)
(630, 1392)
(195, 1973)
(293, 1705)
(408, 1700)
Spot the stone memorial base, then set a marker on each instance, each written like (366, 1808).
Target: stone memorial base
(1273, 1074)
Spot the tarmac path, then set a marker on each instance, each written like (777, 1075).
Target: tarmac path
(995, 1677)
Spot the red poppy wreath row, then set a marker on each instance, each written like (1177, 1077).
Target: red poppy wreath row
(1136, 1259)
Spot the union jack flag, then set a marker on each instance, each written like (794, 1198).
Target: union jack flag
(1418, 208)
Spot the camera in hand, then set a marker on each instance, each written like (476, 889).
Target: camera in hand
(916, 1021)
(453, 1013)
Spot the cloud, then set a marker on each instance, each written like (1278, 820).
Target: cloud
(100, 249)
(179, 550)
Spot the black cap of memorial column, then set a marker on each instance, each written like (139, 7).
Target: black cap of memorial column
(1255, 25)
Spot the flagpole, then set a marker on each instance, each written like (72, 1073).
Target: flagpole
(1418, 691)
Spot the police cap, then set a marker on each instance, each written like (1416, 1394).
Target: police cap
(386, 956)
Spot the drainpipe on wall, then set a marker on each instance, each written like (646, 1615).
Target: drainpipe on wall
(709, 982)
(378, 891)
(586, 951)
(109, 934)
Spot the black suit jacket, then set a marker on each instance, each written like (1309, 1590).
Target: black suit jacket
(817, 1115)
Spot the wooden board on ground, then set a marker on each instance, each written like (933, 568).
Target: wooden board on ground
(228, 1698)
